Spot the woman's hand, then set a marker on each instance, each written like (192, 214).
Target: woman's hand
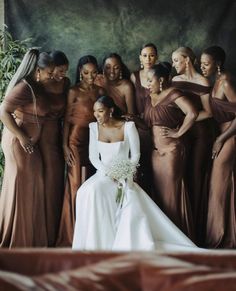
(169, 132)
(128, 117)
(218, 144)
(26, 143)
(69, 157)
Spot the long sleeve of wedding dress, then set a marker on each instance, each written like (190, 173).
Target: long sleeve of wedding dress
(94, 155)
(134, 142)
(139, 224)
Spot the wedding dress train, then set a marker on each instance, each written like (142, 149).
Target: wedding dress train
(139, 224)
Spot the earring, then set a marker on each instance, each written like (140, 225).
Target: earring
(80, 77)
(110, 114)
(218, 70)
(120, 77)
(38, 77)
(141, 65)
(161, 85)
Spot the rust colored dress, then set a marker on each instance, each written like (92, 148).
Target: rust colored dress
(221, 224)
(113, 92)
(168, 161)
(199, 140)
(22, 201)
(79, 115)
(53, 159)
(144, 174)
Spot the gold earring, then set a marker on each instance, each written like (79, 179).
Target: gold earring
(38, 77)
(80, 77)
(120, 77)
(218, 70)
(141, 65)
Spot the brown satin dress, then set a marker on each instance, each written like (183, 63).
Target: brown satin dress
(79, 115)
(221, 224)
(199, 140)
(22, 200)
(53, 158)
(113, 92)
(144, 173)
(168, 161)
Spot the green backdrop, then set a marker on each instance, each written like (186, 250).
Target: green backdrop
(98, 26)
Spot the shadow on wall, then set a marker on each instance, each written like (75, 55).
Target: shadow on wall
(97, 27)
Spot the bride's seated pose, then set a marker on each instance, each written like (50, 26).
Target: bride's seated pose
(113, 214)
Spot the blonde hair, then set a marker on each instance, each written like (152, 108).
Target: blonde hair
(187, 52)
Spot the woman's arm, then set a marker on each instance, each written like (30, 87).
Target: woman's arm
(68, 154)
(93, 148)
(190, 116)
(129, 97)
(230, 93)
(206, 112)
(134, 142)
(6, 112)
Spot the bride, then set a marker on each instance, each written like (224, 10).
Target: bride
(101, 223)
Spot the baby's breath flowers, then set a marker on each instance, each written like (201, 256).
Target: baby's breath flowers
(120, 171)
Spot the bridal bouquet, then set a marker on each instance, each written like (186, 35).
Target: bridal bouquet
(120, 171)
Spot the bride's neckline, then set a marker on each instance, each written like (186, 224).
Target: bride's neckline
(119, 141)
(110, 142)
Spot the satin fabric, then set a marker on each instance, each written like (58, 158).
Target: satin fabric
(139, 224)
(169, 161)
(22, 200)
(144, 174)
(198, 142)
(221, 221)
(79, 115)
(53, 159)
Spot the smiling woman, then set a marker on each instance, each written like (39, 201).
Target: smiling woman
(104, 221)
(79, 113)
(23, 112)
(221, 219)
(169, 114)
(199, 138)
(117, 84)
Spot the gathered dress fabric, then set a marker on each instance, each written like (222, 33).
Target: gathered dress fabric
(101, 224)
(79, 115)
(22, 199)
(169, 161)
(113, 92)
(198, 142)
(53, 159)
(144, 174)
(221, 224)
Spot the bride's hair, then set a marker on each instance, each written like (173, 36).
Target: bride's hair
(108, 102)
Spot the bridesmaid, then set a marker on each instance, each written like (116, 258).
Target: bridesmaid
(221, 224)
(23, 110)
(116, 82)
(51, 142)
(148, 57)
(169, 115)
(79, 114)
(199, 138)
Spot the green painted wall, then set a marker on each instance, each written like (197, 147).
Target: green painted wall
(98, 27)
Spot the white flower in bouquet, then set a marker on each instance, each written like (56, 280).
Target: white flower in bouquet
(120, 171)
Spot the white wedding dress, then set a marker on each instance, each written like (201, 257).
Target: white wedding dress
(139, 224)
